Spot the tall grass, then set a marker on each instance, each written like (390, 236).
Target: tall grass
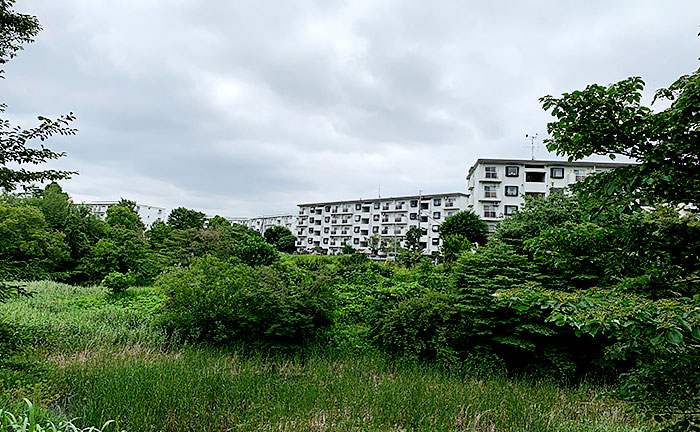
(201, 389)
(103, 357)
(70, 318)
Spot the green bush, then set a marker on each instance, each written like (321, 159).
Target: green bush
(423, 327)
(268, 307)
(116, 282)
(255, 251)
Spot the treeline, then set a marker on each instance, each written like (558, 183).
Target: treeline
(47, 236)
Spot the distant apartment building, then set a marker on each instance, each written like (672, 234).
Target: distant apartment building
(497, 186)
(262, 223)
(330, 225)
(148, 214)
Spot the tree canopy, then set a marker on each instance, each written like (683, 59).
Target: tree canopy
(611, 121)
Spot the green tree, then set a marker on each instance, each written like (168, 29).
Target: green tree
(29, 248)
(255, 251)
(218, 222)
(124, 215)
(412, 241)
(465, 223)
(282, 238)
(375, 242)
(17, 29)
(182, 218)
(611, 121)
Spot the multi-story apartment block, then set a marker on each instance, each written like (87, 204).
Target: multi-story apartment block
(497, 186)
(330, 225)
(262, 223)
(148, 214)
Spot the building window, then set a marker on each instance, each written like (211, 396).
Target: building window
(414, 203)
(436, 241)
(511, 191)
(436, 215)
(356, 241)
(491, 172)
(328, 208)
(534, 177)
(557, 173)
(375, 229)
(311, 230)
(311, 220)
(510, 210)
(356, 230)
(358, 206)
(327, 219)
(437, 202)
(357, 218)
(376, 206)
(451, 213)
(489, 191)
(413, 216)
(435, 228)
(325, 241)
(325, 230)
(376, 218)
(310, 240)
(490, 211)
(512, 171)
(580, 174)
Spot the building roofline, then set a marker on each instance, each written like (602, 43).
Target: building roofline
(547, 162)
(428, 196)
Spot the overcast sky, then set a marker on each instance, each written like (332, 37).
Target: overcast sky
(243, 108)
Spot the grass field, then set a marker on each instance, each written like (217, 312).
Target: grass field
(91, 357)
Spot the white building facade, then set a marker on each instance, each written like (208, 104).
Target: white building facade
(263, 223)
(148, 214)
(497, 186)
(331, 225)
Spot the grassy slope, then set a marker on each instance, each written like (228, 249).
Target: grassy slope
(103, 358)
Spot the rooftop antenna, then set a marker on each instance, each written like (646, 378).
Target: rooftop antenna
(379, 191)
(532, 145)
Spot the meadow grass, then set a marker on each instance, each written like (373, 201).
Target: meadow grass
(102, 357)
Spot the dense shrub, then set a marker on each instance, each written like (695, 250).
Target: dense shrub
(271, 307)
(116, 282)
(423, 327)
(253, 250)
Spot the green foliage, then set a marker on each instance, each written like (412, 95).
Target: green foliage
(271, 307)
(453, 245)
(347, 249)
(467, 224)
(218, 222)
(29, 249)
(30, 421)
(537, 215)
(182, 218)
(117, 282)
(612, 121)
(660, 336)
(412, 241)
(124, 215)
(255, 251)
(281, 238)
(423, 327)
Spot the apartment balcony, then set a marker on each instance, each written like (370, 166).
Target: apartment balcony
(449, 204)
(385, 207)
(385, 219)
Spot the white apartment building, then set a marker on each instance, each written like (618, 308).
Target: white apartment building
(148, 214)
(497, 186)
(262, 223)
(330, 225)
